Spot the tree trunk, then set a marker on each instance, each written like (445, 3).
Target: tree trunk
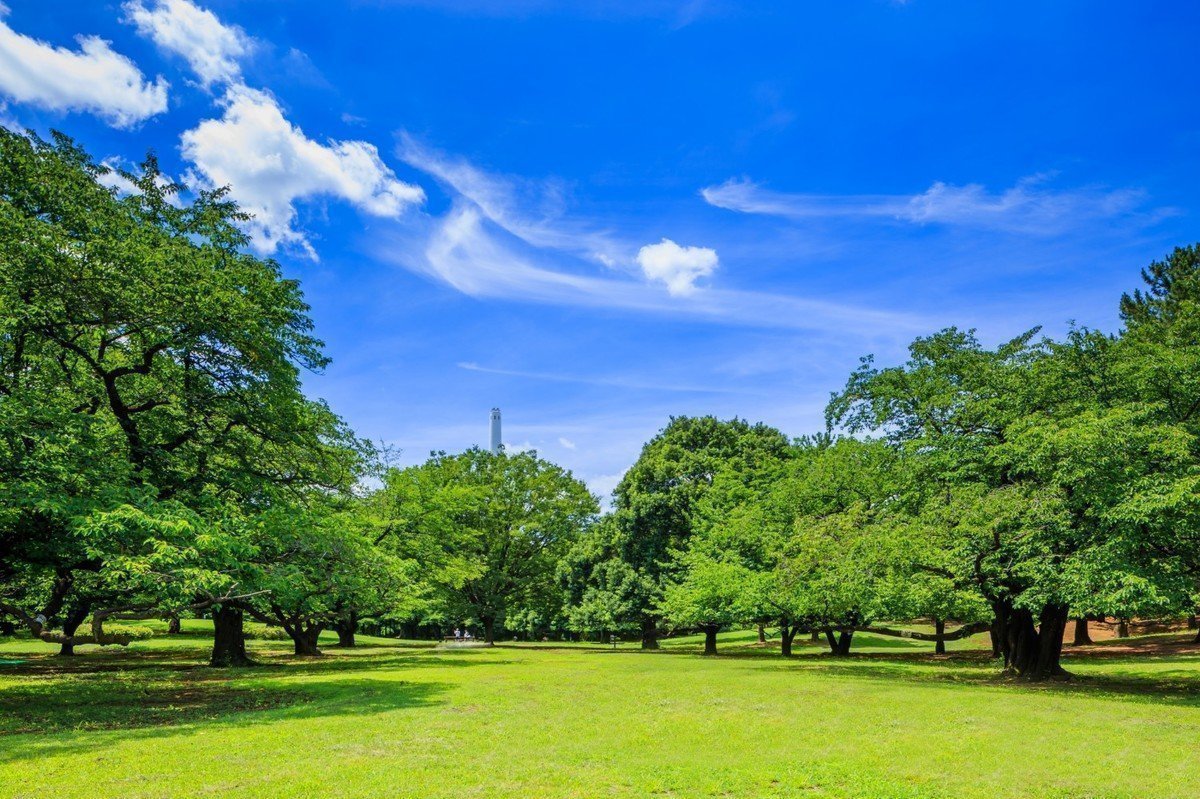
(173, 627)
(305, 640)
(786, 633)
(815, 636)
(649, 632)
(843, 644)
(762, 634)
(1123, 628)
(229, 637)
(710, 639)
(1082, 636)
(1191, 622)
(75, 617)
(939, 629)
(347, 626)
(1034, 653)
(489, 630)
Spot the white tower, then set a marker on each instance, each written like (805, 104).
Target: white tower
(496, 445)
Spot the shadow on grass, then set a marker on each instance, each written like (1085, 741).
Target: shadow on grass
(71, 716)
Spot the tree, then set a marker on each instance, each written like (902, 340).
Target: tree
(317, 564)
(144, 357)
(501, 522)
(1031, 464)
(657, 499)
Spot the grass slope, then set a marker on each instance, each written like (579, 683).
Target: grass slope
(391, 719)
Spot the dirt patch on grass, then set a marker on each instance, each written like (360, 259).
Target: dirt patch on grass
(1161, 645)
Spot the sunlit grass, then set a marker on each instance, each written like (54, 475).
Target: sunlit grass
(547, 720)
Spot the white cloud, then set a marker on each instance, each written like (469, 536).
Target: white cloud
(93, 79)
(531, 210)
(677, 267)
(270, 164)
(1027, 207)
(462, 251)
(211, 48)
(566, 443)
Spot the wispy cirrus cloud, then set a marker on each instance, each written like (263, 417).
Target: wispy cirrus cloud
(1030, 206)
(613, 382)
(533, 211)
(94, 79)
(513, 239)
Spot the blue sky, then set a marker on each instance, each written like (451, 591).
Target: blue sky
(597, 215)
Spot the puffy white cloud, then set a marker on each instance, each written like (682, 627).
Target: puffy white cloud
(211, 48)
(93, 79)
(270, 164)
(677, 267)
(566, 443)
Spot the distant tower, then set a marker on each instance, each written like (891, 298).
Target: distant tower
(496, 445)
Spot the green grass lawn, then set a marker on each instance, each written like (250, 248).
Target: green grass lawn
(403, 719)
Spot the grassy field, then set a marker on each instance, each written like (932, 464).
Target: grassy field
(397, 719)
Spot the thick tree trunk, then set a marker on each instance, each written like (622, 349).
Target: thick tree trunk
(489, 630)
(305, 640)
(710, 639)
(75, 617)
(815, 636)
(649, 633)
(786, 633)
(347, 626)
(762, 633)
(839, 644)
(1034, 653)
(1191, 622)
(173, 627)
(1123, 628)
(229, 637)
(1082, 636)
(939, 629)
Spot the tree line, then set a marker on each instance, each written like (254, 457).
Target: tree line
(158, 458)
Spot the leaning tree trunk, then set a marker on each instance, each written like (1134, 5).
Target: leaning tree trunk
(649, 632)
(75, 617)
(710, 639)
(229, 637)
(346, 627)
(1082, 636)
(305, 639)
(1032, 652)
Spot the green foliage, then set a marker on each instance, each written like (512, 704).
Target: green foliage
(489, 530)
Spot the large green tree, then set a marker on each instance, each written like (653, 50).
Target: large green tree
(658, 499)
(145, 357)
(495, 528)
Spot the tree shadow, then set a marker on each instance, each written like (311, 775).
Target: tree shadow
(73, 716)
(1175, 686)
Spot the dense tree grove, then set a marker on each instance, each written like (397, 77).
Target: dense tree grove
(159, 458)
